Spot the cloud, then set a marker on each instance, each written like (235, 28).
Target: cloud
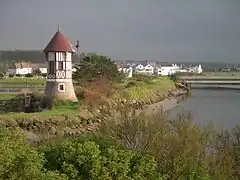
(137, 29)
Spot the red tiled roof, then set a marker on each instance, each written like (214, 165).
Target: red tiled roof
(59, 43)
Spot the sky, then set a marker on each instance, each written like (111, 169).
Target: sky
(163, 30)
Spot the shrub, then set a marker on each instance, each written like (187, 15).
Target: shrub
(183, 150)
(19, 75)
(29, 75)
(44, 75)
(96, 93)
(98, 159)
(19, 160)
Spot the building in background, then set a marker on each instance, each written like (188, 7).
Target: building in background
(20, 68)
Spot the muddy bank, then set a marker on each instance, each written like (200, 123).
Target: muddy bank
(168, 103)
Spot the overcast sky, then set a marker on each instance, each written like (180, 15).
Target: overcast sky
(166, 30)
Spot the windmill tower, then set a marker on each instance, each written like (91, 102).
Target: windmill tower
(59, 85)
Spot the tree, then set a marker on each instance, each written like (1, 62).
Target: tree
(93, 66)
(99, 159)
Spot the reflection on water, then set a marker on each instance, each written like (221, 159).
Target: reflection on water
(222, 107)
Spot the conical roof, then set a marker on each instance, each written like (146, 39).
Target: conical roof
(59, 43)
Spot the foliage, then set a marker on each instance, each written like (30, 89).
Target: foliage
(174, 77)
(93, 66)
(182, 148)
(19, 160)
(37, 72)
(10, 75)
(88, 159)
(95, 93)
(128, 145)
(29, 75)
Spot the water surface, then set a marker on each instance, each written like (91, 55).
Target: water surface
(222, 107)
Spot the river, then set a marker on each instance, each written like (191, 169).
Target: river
(222, 107)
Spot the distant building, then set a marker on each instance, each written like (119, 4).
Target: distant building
(146, 69)
(42, 68)
(168, 70)
(21, 68)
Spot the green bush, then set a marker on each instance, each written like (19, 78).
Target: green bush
(29, 75)
(21, 161)
(98, 159)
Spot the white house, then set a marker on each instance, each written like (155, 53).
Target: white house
(197, 69)
(129, 72)
(140, 69)
(21, 68)
(149, 69)
(200, 70)
(144, 69)
(168, 70)
(43, 70)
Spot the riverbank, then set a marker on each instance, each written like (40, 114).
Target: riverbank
(168, 103)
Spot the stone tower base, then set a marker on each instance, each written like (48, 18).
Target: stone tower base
(59, 91)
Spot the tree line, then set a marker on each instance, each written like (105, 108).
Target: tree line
(34, 56)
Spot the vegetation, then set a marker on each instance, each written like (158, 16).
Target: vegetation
(7, 96)
(126, 145)
(144, 89)
(96, 139)
(22, 81)
(93, 66)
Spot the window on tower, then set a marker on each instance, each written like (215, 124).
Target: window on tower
(61, 88)
(60, 65)
(65, 56)
(51, 67)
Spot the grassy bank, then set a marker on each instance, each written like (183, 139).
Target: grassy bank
(75, 115)
(143, 90)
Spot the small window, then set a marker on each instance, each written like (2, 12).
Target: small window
(61, 87)
(60, 65)
(64, 56)
(51, 67)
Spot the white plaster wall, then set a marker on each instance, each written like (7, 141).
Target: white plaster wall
(68, 65)
(60, 56)
(69, 56)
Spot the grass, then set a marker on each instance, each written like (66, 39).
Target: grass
(62, 109)
(7, 96)
(144, 90)
(22, 81)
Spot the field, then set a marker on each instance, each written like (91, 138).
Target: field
(22, 81)
(6, 96)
